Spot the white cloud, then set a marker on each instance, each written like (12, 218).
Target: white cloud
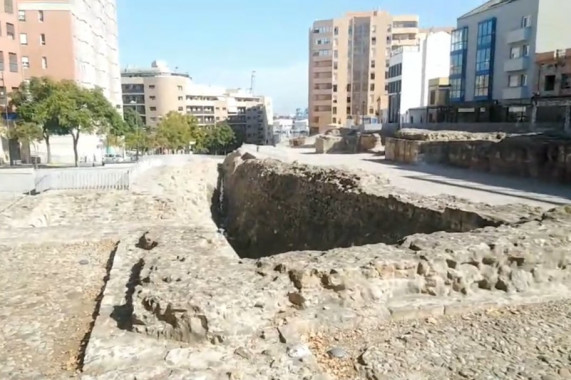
(286, 85)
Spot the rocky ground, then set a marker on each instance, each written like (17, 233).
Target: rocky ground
(180, 304)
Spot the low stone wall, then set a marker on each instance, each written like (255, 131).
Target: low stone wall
(369, 141)
(273, 207)
(546, 157)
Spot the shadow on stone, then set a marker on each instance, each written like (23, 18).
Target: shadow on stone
(83, 345)
(123, 314)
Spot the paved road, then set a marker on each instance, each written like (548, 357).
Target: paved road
(436, 180)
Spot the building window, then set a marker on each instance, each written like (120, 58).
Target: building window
(180, 98)
(334, 110)
(10, 31)
(549, 83)
(21, 15)
(23, 39)
(322, 53)
(372, 76)
(373, 40)
(459, 39)
(373, 64)
(336, 31)
(456, 64)
(42, 39)
(13, 62)
(483, 57)
(526, 21)
(372, 87)
(41, 16)
(515, 52)
(44, 62)
(566, 81)
(25, 63)
(486, 32)
(1, 60)
(517, 80)
(456, 88)
(9, 6)
(180, 108)
(482, 87)
(152, 97)
(525, 50)
(153, 108)
(151, 86)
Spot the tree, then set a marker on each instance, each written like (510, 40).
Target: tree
(177, 132)
(31, 101)
(79, 110)
(219, 138)
(136, 136)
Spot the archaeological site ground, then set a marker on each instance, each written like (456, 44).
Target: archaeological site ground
(280, 264)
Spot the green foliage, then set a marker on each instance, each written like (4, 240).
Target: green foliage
(61, 108)
(133, 121)
(138, 140)
(219, 139)
(177, 132)
(26, 131)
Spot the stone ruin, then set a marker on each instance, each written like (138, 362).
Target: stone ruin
(541, 155)
(301, 250)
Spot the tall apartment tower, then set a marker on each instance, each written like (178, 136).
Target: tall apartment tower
(348, 61)
(10, 70)
(72, 39)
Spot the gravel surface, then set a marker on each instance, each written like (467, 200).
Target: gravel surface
(526, 342)
(48, 296)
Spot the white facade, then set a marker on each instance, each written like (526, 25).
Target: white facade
(96, 45)
(96, 53)
(410, 70)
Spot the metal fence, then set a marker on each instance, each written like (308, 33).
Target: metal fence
(98, 178)
(83, 179)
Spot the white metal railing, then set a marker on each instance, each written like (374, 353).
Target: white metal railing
(82, 179)
(99, 178)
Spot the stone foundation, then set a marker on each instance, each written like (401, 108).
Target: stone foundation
(272, 207)
(536, 156)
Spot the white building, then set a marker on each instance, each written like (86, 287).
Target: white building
(410, 70)
(74, 40)
(154, 92)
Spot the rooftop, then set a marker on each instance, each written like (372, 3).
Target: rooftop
(487, 6)
(158, 68)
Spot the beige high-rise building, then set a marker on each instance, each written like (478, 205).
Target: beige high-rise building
(10, 70)
(153, 92)
(348, 60)
(72, 39)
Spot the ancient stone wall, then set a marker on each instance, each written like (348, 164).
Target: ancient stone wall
(273, 207)
(536, 156)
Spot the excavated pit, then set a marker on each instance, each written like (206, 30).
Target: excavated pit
(267, 207)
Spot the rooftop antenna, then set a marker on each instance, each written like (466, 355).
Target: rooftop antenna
(252, 81)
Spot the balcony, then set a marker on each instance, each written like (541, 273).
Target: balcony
(404, 30)
(516, 92)
(516, 64)
(518, 35)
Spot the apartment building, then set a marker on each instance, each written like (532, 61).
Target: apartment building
(63, 39)
(493, 52)
(552, 98)
(348, 60)
(153, 92)
(72, 39)
(10, 70)
(411, 68)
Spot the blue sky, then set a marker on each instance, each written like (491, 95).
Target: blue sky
(220, 42)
